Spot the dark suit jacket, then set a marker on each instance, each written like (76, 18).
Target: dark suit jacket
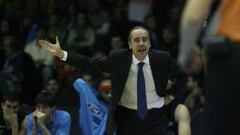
(118, 64)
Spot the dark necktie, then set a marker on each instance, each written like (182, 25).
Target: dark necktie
(141, 93)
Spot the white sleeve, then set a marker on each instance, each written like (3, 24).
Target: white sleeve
(64, 58)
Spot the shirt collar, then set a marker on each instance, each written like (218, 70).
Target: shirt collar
(136, 61)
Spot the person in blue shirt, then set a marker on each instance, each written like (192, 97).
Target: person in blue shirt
(46, 119)
(93, 109)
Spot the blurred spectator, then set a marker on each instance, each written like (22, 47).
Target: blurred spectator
(19, 72)
(151, 24)
(5, 28)
(43, 61)
(53, 87)
(195, 101)
(105, 90)
(47, 119)
(81, 36)
(2, 56)
(119, 21)
(100, 19)
(70, 12)
(194, 96)
(138, 10)
(174, 15)
(10, 116)
(88, 78)
(116, 42)
(56, 26)
(170, 40)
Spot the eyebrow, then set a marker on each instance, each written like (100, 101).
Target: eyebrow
(137, 38)
(141, 37)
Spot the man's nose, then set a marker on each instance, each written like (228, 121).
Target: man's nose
(141, 42)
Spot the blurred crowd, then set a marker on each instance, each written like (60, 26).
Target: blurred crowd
(92, 28)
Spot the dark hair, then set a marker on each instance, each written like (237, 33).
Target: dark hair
(46, 99)
(134, 28)
(11, 96)
(50, 79)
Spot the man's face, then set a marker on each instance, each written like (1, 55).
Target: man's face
(106, 95)
(116, 43)
(139, 43)
(10, 107)
(52, 87)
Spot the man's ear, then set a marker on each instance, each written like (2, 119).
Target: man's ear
(129, 44)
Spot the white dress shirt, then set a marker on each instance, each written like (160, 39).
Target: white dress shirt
(64, 58)
(129, 96)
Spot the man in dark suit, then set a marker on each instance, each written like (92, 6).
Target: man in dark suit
(139, 77)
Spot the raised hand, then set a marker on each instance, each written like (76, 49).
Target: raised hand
(54, 49)
(40, 117)
(12, 119)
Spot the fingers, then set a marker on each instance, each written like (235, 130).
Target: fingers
(48, 46)
(38, 114)
(11, 118)
(57, 41)
(14, 117)
(168, 99)
(44, 44)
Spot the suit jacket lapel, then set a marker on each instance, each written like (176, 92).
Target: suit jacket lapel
(126, 69)
(156, 69)
(123, 74)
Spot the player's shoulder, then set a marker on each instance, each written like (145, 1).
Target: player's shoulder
(62, 114)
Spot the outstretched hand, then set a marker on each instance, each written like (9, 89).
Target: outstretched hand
(54, 49)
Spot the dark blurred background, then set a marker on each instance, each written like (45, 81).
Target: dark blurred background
(89, 27)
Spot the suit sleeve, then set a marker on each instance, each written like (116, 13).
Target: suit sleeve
(94, 65)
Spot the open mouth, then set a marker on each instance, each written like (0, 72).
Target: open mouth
(141, 50)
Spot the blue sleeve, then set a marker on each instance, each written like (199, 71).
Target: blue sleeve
(64, 125)
(29, 125)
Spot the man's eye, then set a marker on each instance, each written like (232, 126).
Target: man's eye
(136, 40)
(12, 106)
(144, 39)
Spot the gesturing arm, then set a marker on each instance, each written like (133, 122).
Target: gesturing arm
(191, 21)
(74, 59)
